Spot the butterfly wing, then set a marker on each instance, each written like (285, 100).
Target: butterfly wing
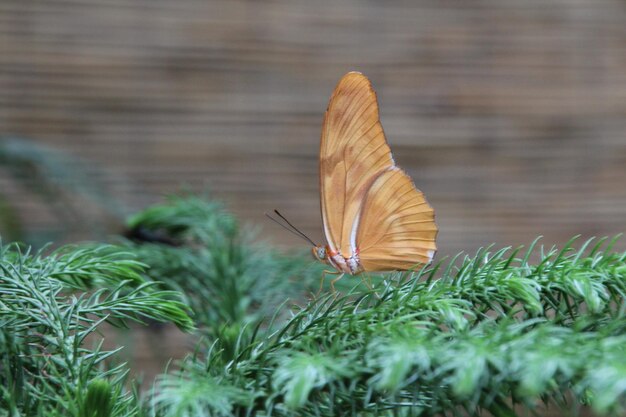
(396, 225)
(353, 153)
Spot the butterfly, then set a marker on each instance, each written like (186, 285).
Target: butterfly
(374, 218)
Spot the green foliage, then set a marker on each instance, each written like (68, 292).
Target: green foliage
(62, 183)
(49, 306)
(500, 332)
(194, 245)
(99, 400)
(486, 333)
(198, 394)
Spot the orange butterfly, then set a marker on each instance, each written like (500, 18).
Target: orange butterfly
(374, 217)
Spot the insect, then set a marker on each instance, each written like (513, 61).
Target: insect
(374, 218)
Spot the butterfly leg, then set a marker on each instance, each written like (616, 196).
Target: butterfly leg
(331, 283)
(367, 280)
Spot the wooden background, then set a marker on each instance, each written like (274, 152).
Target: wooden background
(509, 115)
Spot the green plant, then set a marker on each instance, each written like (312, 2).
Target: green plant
(193, 245)
(500, 332)
(492, 332)
(64, 184)
(49, 306)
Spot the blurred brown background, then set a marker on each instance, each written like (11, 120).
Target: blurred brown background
(510, 115)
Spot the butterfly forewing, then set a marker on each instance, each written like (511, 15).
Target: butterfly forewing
(353, 153)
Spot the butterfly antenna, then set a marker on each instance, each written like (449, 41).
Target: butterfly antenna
(293, 229)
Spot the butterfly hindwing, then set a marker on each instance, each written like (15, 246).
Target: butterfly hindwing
(396, 229)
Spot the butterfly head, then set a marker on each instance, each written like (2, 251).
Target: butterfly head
(320, 253)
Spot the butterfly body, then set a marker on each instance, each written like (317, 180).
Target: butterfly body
(348, 265)
(374, 218)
